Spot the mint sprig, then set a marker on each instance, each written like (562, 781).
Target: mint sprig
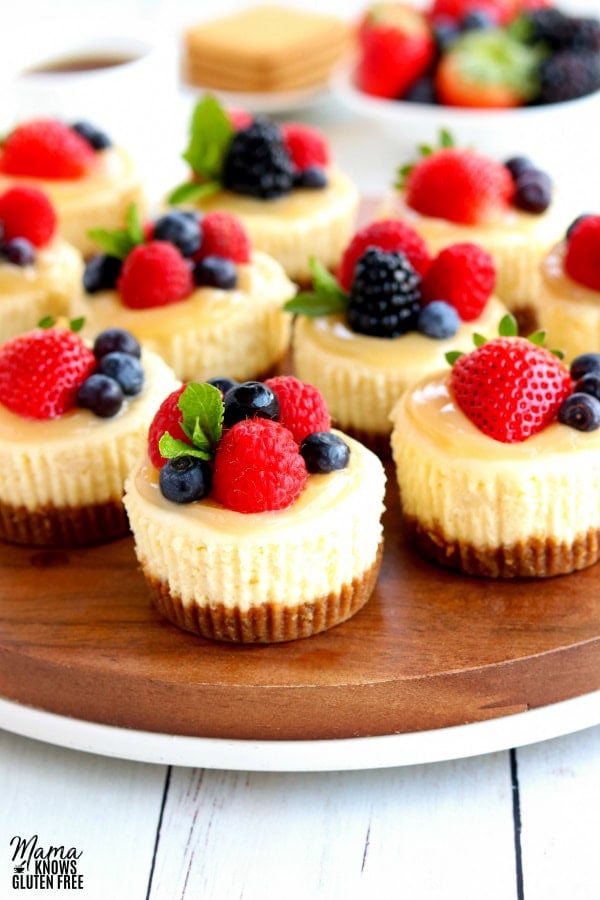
(120, 241)
(202, 422)
(326, 298)
(211, 132)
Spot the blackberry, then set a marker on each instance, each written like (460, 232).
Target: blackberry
(257, 162)
(548, 26)
(385, 295)
(568, 75)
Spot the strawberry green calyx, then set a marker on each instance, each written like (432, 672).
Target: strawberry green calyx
(201, 406)
(445, 140)
(121, 241)
(211, 132)
(326, 299)
(507, 327)
(73, 325)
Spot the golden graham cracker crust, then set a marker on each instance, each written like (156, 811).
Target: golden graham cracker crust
(67, 526)
(271, 622)
(535, 558)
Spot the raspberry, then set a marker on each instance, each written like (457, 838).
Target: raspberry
(306, 146)
(459, 185)
(302, 408)
(582, 259)
(224, 235)
(167, 418)
(239, 118)
(154, 274)
(464, 276)
(27, 213)
(391, 235)
(41, 372)
(46, 148)
(258, 467)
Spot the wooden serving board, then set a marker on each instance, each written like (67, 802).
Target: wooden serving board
(431, 649)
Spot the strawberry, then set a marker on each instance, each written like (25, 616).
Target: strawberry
(258, 467)
(306, 146)
(487, 69)
(27, 213)
(510, 388)
(166, 419)
(391, 235)
(396, 47)
(154, 274)
(46, 148)
(302, 408)
(464, 276)
(224, 235)
(459, 185)
(499, 11)
(42, 370)
(582, 258)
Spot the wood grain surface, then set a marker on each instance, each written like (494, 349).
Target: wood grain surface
(430, 649)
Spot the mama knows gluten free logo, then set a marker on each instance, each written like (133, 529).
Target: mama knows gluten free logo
(39, 868)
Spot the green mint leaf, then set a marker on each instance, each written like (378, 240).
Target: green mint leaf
(425, 149)
(76, 324)
(202, 408)
(193, 190)
(452, 356)
(326, 298)
(170, 447)
(210, 135)
(134, 229)
(508, 326)
(446, 139)
(311, 305)
(46, 322)
(120, 241)
(479, 340)
(538, 338)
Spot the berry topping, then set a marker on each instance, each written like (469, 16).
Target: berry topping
(464, 275)
(533, 191)
(580, 411)
(239, 118)
(516, 165)
(312, 178)
(224, 235)
(390, 235)
(257, 162)
(26, 212)
(116, 339)
(459, 185)
(499, 11)
(574, 224)
(101, 273)
(41, 372)
(589, 384)
(324, 452)
(166, 420)
(247, 400)
(154, 274)
(258, 467)
(438, 320)
(180, 229)
(216, 271)
(306, 146)
(302, 408)
(126, 370)
(396, 47)
(97, 139)
(582, 258)
(101, 394)
(567, 75)
(223, 384)
(184, 479)
(585, 364)
(385, 295)
(18, 251)
(510, 388)
(46, 148)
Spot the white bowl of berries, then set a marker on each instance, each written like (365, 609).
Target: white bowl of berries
(499, 74)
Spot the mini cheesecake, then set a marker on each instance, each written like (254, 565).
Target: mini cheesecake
(61, 479)
(47, 287)
(267, 576)
(524, 509)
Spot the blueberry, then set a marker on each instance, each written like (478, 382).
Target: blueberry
(584, 364)
(533, 191)
(324, 451)
(438, 320)
(180, 229)
(216, 271)
(112, 339)
(126, 370)
(97, 139)
(576, 222)
(445, 32)
(589, 384)
(477, 20)
(19, 252)
(313, 177)
(100, 394)
(422, 91)
(101, 273)
(516, 165)
(223, 384)
(248, 400)
(185, 479)
(580, 411)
